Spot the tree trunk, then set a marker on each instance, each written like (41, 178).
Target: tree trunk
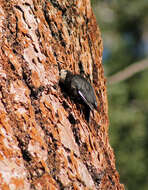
(45, 140)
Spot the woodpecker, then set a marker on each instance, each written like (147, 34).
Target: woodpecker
(79, 88)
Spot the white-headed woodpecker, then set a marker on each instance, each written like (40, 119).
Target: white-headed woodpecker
(79, 88)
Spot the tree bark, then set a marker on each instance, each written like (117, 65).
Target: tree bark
(45, 141)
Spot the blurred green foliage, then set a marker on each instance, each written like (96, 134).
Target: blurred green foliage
(124, 28)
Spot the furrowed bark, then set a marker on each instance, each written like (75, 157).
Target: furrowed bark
(45, 141)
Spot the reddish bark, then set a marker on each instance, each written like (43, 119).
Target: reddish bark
(45, 141)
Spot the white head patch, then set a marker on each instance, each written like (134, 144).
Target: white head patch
(63, 74)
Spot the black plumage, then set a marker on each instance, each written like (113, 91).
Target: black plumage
(79, 88)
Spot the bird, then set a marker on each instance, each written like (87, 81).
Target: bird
(79, 88)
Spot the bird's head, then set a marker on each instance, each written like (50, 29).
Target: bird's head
(63, 74)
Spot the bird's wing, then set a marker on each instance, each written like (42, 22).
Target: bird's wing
(85, 100)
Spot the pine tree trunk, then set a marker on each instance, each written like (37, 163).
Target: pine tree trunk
(45, 140)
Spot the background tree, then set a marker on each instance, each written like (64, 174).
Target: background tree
(124, 27)
(45, 141)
